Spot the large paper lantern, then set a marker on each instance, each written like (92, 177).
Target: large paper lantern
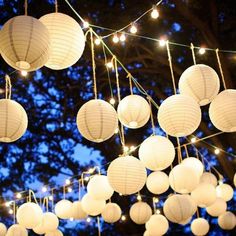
(222, 111)
(133, 111)
(14, 121)
(25, 43)
(217, 208)
(227, 220)
(225, 191)
(157, 182)
(63, 209)
(195, 164)
(104, 191)
(201, 82)
(111, 213)
(157, 153)
(97, 120)
(16, 230)
(57, 232)
(140, 213)
(77, 212)
(29, 215)
(126, 175)
(3, 229)
(67, 40)
(200, 227)
(208, 178)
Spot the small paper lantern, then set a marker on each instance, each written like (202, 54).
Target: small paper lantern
(222, 111)
(63, 209)
(16, 230)
(157, 182)
(29, 215)
(217, 208)
(225, 191)
(104, 191)
(157, 225)
(54, 233)
(200, 227)
(77, 212)
(200, 82)
(3, 229)
(14, 121)
(111, 213)
(97, 120)
(157, 152)
(67, 40)
(140, 213)
(201, 198)
(133, 111)
(25, 43)
(195, 164)
(183, 179)
(208, 178)
(126, 175)
(92, 206)
(227, 220)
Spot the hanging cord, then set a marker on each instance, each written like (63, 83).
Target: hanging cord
(56, 6)
(7, 87)
(99, 227)
(193, 54)
(14, 212)
(179, 151)
(129, 76)
(220, 67)
(152, 119)
(26, 7)
(186, 150)
(64, 192)
(154, 205)
(31, 193)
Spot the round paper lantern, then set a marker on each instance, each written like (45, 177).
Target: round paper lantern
(17, 230)
(225, 191)
(126, 175)
(201, 198)
(140, 213)
(92, 206)
(77, 212)
(67, 40)
(111, 213)
(29, 215)
(200, 227)
(25, 43)
(63, 209)
(104, 191)
(227, 220)
(208, 178)
(54, 233)
(184, 222)
(195, 164)
(157, 153)
(200, 82)
(39, 229)
(183, 179)
(217, 208)
(14, 121)
(157, 225)
(49, 222)
(157, 182)
(222, 111)
(172, 120)
(133, 111)
(3, 229)
(97, 120)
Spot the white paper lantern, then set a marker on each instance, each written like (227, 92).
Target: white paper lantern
(200, 227)
(157, 153)
(140, 212)
(157, 182)
(77, 212)
(208, 178)
(227, 220)
(225, 191)
(97, 120)
(63, 209)
(17, 230)
(92, 206)
(14, 121)
(54, 233)
(217, 208)
(195, 164)
(126, 175)
(3, 229)
(104, 191)
(25, 43)
(133, 111)
(222, 111)
(49, 223)
(201, 198)
(29, 215)
(111, 213)
(201, 82)
(67, 40)
(39, 229)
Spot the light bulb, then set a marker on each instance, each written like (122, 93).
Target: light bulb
(115, 39)
(133, 29)
(24, 73)
(126, 149)
(112, 101)
(139, 198)
(91, 170)
(97, 41)
(68, 182)
(50, 198)
(122, 37)
(162, 42)
(154, 13)
(116, 130)
(71, 218)
(44, 189)
(69, 190)
(120, 194)
(132, 148)
(202, 51)
(88, 219)
(123, 217)
(193, 140)
(86, 178)
(86, 24)
(7, 204)
(109, 65)
(158, 211)
(217, 151)
(18, 195)
(11, 211)
(156, 200)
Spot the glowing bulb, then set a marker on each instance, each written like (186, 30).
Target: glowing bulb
(71, 218)
(86, 178)
(112, 101)
(91, 170)
(122, 37)
(24, 73)
(158, 211)
(7, 204)
(221, 181)
(68, 182)
(116, 130)
(50, 198)
(154, 13)
(86, 24)
(202, 51)
(109, 65)
(123, 217)
(44, 189)
(132, 148)
(193, 140)
(120, 194)
(69, 190)
(10, 211)
(217, 151)
(126, 149)
(97, 41)
(133, 29)
(88, 219)
(139, 198)
(162, 42)
(18, 195)
(156, 200)
(115, 39)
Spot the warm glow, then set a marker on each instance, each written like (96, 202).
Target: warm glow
(139, 198)
(122, 37)
(115, 39)
(24, 73)
(154, 13)
(112, 101)
(117, 131)
(11, 211)
(217, 151)
(109, 65)
(97, 41)
(69, 190)
(126, 149)
(44, 189)
(162, 42)
(193, 140)
(123, 218)
(50, 198)
(68, 182)
(18, 195)
(86, 24)
(88, 219)
(133, 29)
(202, 51)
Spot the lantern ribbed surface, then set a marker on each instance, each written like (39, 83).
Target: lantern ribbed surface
(77, 212)
(25, 43)
(217, 208)
(14, 121)
(3, 229)
(67, 40)
(97, 120)
(17, 230)
(57, 232)
(227, 220)
(200, 227)
(209, 178)
(126, 175)
(140, 213)
(179, 115)
(200, 82)
(111, 213)
(63, 209)
(222, 111)
(49, 222)
(195, 164)
(225, 191)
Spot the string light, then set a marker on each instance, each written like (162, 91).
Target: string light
(97, 41)
(220, 181)
(139, 198)
(116, 130)
(122, 37)
(44, 189)
(115, 38)
(126, 149)
(88, 219)
(162, 42)
(112, 101)
(86, 24)
(132, 148)
(69, 190)
(193, 140)
(7, 204)
(156, 200)
(71, 218)
(120, 194)
(158, 211)
(202, 51)
(123, 217)
(154, 13)
(50, 198)
(86, 178)
(217, 151)
(24, 73)
(68, 182)
(91, 170)
(133, 29)
(109, 65)
(10, 212)
(18, 195)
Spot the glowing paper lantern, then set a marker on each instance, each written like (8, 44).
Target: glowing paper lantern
(63, 209)
(97, 120)
(227, 220)
(172, 120)
(195, 164)
(126, 175)
(67, 40)
(208, 178)
(49, 222)
(201, 82)
(217, 208)
(225, 191)
(14, 121)
(25, 43)
(200, 227)
(133, 111)
(157, 182)
(54, 233)
(17, 230)
(3, 229)
(111, 213)
(222, 111)
(39, 229)
(77, 212)
(157, 153)
(140, 213)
